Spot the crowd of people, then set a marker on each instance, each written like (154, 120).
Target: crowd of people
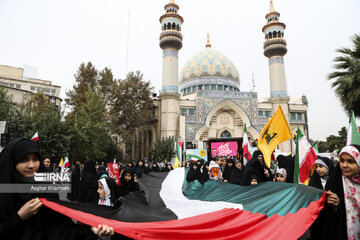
(22, 217)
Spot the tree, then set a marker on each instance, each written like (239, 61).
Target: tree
(347, 78)
(333, 142)
(40, 115)
(131, 105)
(163, 150)
(7, 107)
(89, 78)
(90, 134)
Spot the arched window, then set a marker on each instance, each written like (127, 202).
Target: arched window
(177, 27)
(274, 34)
(270, 35)
(173, 26)
(164, 26)
(225, 134)
(169, 26)
(279, 34)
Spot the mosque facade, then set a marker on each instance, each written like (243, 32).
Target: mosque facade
(204, 101)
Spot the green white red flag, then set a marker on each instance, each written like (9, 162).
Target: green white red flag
(353, 136)
(304, 159)
(245, 146)
(66, 165)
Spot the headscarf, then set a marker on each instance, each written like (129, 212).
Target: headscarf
(107, 200)
(320, 182)
(351, 187)
(215, 171)
(10, 156)
(282, 171)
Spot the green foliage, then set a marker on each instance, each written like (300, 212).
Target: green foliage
(131, 105)
(40, 115)
(163, 150)
(90, 138)
(333, 142)
(89, 78)
(7, 107)
(347, 78)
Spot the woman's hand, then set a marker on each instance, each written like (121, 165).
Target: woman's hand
(30, 208)
(332, 198)
(103, 230)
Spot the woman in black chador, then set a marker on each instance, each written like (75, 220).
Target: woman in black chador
(237, 173)
(88, 183)
(228, 169)
(75, 183)
(256, 167)
(22, 215)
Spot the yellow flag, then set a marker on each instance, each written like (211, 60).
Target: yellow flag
(276, 131)
(177, 163)
(61, 162)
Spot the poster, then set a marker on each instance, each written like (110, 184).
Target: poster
(223, 149)
(196, 154)
(113, 170)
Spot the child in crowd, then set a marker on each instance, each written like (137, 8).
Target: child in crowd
(281, 175)
(254, 180)
(215, 171)
(107, 192)
(128, 183)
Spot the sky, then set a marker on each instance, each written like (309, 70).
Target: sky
(57, 36)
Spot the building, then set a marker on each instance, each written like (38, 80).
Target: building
(205, 101)
(21, 84)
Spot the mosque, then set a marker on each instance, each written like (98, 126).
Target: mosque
(205, 101)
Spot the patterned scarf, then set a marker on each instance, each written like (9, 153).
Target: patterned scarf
(352, 197)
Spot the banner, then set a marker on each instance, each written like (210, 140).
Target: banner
(223, 149)
(113, 170)
(196, 154)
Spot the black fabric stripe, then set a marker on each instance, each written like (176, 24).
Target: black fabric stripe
(142, 206)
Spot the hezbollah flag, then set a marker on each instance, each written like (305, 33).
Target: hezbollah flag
(169, 207)
(276, 131)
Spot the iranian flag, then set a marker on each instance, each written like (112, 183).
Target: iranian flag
(169, 207)
(35, 138)
(245, 146)
(353, 136)
(304, 159)
(66, 165)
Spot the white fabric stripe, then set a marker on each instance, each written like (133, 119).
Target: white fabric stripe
(174, 199)
(304, 150)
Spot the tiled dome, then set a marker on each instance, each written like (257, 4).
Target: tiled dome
(208, 63)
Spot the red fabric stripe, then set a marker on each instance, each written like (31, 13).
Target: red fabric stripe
(222, 224)
(305, 168)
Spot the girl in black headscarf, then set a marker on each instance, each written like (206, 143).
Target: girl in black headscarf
(237, 173)
(88, 183)
(146, 167)
(21, 214)
(155, 167)
(128, 183)
(167, 167)
(204, 173)
(140, 168)
(228, 169)
(107, 192)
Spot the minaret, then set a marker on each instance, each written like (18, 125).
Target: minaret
(170, 43)
(275, 49)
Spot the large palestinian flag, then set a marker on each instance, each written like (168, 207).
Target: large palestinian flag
(171, 208)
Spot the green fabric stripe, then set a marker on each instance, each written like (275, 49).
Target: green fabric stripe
(266, 198)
